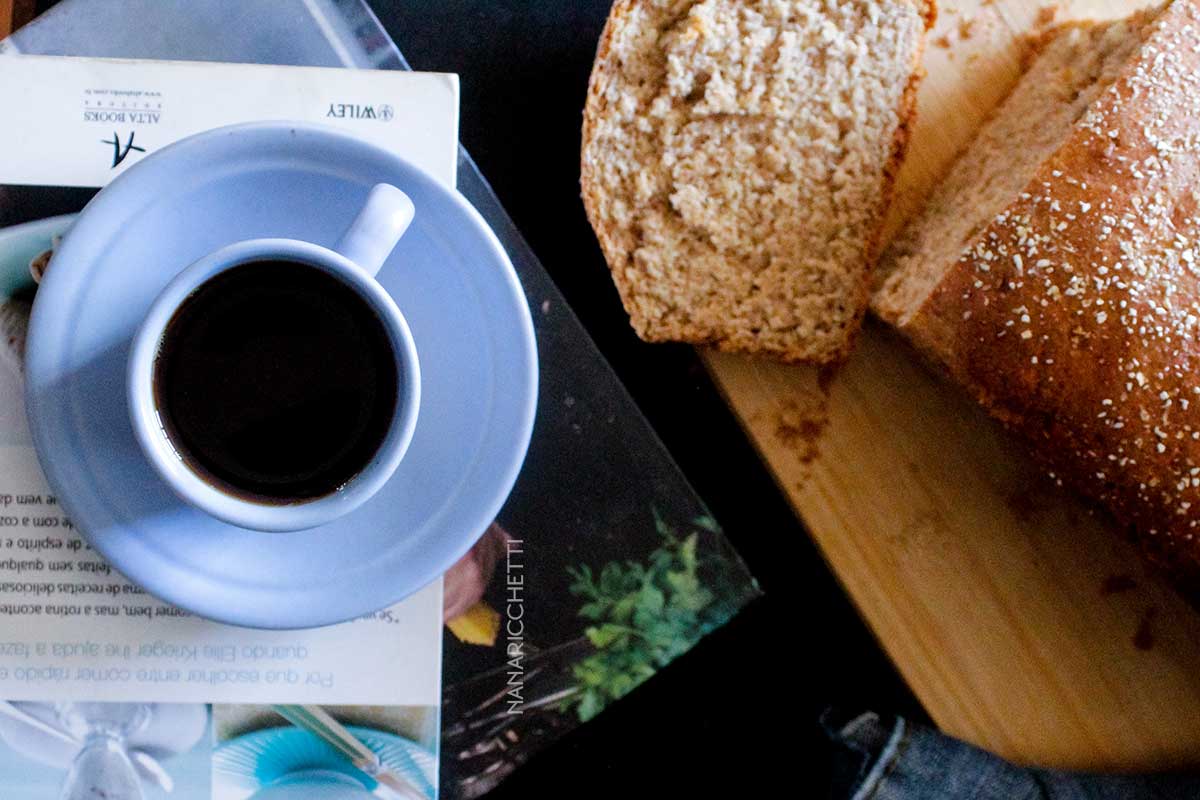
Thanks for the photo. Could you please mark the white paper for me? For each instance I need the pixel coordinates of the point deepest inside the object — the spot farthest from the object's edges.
(79, 121)
(70, 627)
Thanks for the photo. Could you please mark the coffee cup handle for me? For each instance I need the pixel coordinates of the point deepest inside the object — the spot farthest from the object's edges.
(374, 233)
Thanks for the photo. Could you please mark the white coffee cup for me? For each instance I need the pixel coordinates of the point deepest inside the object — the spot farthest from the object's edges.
(354, 261)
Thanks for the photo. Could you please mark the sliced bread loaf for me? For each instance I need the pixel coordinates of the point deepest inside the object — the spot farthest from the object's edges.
(1056, 271)
(738, 157)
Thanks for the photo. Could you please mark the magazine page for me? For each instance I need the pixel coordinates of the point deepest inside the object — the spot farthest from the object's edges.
(187, 694)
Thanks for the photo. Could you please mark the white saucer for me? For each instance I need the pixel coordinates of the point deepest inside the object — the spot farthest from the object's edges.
(449, 276)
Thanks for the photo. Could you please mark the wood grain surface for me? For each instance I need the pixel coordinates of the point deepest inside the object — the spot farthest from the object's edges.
(6, 18)
(1021, 618)
(14, 14)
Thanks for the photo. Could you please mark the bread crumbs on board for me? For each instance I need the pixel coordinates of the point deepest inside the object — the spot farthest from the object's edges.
(1046, 16)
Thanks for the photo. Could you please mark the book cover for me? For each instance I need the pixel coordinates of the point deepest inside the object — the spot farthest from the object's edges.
(604, 566)
(220, 711)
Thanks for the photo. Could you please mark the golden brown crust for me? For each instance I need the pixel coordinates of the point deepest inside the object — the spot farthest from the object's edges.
(1037, 40)
(596, 106)
(1074, 315)
(593, 108)
(907, 113)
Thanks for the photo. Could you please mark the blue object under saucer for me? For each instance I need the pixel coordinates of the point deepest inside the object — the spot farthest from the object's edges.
(286, 755)
(450, 278)
(19, 244)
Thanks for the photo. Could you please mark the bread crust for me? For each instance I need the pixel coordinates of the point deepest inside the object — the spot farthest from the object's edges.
(1100, 380)
(907, 113)
(604, 71)
(593, 109)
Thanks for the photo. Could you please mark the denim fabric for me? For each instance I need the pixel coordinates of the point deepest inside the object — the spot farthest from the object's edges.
(877, 759)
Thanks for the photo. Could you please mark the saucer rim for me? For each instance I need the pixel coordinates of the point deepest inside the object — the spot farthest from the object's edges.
(141, 572)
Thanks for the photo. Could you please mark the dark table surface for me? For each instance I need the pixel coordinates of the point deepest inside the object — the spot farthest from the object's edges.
(740, 710)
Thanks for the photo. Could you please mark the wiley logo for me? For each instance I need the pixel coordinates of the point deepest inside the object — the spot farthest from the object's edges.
(119, 153)
(383, 113)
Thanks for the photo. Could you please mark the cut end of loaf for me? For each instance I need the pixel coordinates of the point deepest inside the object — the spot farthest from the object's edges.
(737, 161)
(1072, 67)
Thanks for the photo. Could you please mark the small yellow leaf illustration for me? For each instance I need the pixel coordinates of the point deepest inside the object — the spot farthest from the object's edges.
(479, 624)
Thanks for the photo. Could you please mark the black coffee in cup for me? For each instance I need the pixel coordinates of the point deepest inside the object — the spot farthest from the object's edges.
(276, 382)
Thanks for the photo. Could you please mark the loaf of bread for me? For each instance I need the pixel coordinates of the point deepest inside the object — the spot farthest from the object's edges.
(738, 157)
(1056, 271)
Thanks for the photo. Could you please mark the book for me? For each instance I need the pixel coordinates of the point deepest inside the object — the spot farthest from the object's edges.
(74, 632)
(604, 565)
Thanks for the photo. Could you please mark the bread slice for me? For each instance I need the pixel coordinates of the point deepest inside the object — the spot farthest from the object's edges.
(738, 157)
(1056, 271)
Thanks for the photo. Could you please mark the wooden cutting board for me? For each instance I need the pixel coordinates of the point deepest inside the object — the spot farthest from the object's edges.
(14, 14)
(1022, 621)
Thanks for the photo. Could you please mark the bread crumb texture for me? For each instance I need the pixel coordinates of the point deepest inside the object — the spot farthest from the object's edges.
(1056, 272)
(737, 160)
